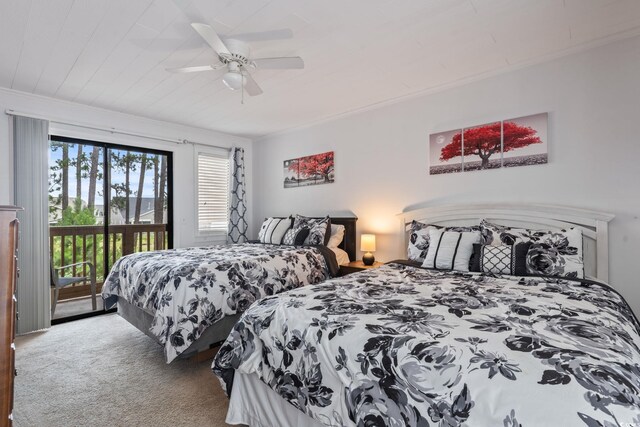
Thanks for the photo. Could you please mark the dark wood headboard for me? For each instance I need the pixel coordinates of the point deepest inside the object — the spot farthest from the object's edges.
(349, 244)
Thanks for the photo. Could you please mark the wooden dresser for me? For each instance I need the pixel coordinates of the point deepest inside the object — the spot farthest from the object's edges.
(8, 276)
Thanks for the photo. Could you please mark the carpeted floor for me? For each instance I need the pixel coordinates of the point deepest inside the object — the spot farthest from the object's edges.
(102, 371)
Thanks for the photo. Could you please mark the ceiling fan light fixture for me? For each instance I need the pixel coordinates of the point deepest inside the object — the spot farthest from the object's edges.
(233, 80)
(235, 55)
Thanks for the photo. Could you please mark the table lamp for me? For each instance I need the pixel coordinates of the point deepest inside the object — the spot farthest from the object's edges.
(368, 245)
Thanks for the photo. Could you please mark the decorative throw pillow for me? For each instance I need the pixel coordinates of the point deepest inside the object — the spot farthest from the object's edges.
(337, 235)
(498, 235)
(450, 250)
(500, 259)
(557, 254)
(318, 229)
(418, 241)
(419, 238)
(295, 236)
(552, 253)
(273, 230)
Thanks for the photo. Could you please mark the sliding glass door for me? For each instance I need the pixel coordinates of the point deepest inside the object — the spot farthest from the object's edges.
(105, 201)
(138, 196)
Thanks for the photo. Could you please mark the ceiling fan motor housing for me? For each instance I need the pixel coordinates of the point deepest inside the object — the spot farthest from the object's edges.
(239, 52)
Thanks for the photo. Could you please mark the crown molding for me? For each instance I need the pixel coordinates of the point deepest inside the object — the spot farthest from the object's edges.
(542, 59)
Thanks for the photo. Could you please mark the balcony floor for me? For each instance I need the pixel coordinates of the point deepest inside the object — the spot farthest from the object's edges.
(76, 306)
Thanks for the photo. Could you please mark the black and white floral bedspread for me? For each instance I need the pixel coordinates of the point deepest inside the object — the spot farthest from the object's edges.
(189, 289)
(402, 345)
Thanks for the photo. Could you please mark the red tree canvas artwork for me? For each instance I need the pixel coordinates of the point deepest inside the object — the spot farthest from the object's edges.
(518, 148)
(450, 163)
(309, 170)
(515, 142)
(478, 147)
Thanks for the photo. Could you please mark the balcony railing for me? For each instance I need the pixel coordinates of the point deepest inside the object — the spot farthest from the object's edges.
(78, 243)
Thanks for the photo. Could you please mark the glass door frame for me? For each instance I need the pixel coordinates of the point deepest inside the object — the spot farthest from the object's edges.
(106, 188)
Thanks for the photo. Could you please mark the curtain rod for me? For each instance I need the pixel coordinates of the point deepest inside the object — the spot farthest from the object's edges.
(178, 141)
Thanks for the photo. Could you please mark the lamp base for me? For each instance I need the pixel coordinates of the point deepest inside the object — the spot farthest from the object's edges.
(368, 259)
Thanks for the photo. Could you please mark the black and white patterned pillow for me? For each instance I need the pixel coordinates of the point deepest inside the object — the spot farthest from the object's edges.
(419, 238)
(319, 229)
(274, 229)
(418, 241)
(496, 259)
(557, 254)
(552, 253)
(295, 236)
(506, 259)
(498, 235)
(450, 250)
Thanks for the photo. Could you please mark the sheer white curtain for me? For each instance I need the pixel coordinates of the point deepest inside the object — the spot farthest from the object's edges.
(31, 178)
(237, 204)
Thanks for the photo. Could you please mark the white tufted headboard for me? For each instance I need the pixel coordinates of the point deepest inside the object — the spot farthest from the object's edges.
(594, 225)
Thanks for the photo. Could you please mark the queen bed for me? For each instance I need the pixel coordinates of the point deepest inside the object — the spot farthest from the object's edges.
(189, 299)
(411, 345)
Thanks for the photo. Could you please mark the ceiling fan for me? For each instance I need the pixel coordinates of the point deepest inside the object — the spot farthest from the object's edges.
(234, 54)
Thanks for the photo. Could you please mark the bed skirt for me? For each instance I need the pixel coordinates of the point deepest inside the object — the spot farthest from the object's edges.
(212, 336)
(254, 404)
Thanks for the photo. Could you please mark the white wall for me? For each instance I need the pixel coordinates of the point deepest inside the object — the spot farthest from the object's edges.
(184, 198)
(593, 100)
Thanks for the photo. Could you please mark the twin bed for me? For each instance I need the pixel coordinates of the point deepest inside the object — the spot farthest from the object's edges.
(189, 299)
(411, 345)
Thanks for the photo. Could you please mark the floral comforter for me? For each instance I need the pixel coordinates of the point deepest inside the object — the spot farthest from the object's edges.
(190, 289)
(402, 345)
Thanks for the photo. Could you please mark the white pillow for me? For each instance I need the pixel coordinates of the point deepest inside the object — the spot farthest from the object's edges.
(337, 235)
(273, 230)
(450, 250)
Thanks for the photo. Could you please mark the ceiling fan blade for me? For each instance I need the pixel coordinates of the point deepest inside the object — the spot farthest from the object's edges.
(193, 69)
(211, 37)
(284, 33)
(251, 86)
(291, 62)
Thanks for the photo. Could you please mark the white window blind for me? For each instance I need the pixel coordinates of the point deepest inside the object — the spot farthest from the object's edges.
(213, 193)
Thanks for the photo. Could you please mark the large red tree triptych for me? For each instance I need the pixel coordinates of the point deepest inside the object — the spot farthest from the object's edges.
(309, 170)
(507, 143)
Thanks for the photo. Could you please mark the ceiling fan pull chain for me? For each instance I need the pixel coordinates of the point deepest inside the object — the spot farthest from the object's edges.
(242, 89)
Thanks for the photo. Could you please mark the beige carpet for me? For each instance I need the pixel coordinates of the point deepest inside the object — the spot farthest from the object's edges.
(102, 371)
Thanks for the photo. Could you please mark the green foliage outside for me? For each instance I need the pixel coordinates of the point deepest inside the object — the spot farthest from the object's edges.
(79, 216)
(82, 164)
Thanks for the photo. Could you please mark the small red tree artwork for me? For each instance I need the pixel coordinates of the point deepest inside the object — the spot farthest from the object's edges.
(484, 141)
(318, 167)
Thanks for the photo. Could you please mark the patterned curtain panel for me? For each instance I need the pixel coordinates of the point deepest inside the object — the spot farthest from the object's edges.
(31, 170)
(238, 203)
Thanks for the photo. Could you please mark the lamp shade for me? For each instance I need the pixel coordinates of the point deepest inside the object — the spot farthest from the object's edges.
(368, 242)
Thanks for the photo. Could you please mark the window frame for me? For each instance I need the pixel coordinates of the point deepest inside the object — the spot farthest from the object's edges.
(218, 234)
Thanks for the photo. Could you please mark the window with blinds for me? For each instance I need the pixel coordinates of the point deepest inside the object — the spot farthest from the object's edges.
(213, 193)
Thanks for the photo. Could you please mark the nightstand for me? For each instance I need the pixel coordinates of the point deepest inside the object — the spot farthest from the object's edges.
(355, 266)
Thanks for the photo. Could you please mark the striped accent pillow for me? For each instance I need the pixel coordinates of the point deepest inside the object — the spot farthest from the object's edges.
(450, 250)
(274, 229)
(419, 238)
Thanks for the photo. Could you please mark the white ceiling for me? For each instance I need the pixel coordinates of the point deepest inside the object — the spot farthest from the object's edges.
(113, 53)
